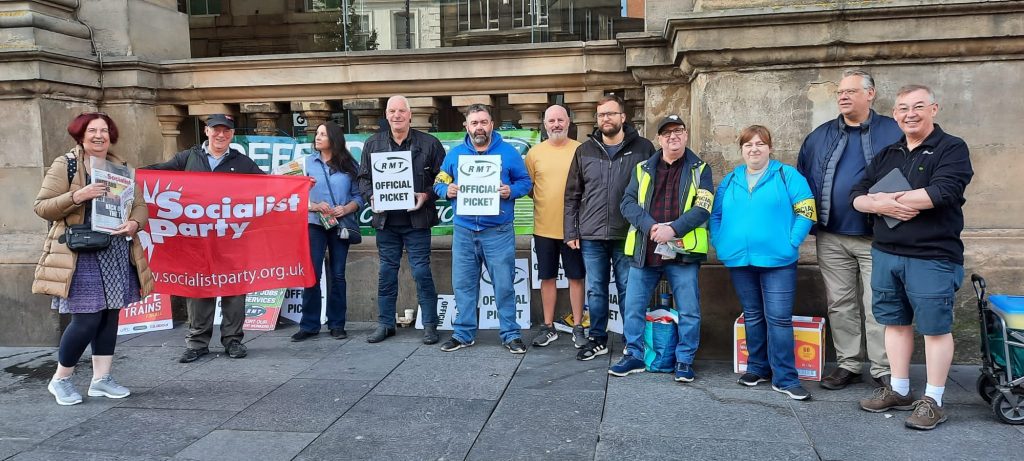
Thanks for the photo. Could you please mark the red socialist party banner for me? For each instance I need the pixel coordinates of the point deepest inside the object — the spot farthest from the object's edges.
(216, 234)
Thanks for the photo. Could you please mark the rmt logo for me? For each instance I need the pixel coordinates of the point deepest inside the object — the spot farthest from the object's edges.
(391, 165)
(480, 168)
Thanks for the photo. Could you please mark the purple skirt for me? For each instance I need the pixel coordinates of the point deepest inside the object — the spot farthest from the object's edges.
(102, 280)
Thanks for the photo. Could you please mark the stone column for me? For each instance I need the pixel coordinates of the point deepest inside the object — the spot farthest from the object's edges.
(265, 114)
(423, 109)
(170, 118)
(315, 112)
(367, 112)
(583, 105)
(634, 98)
(464, 101)
(531, 108)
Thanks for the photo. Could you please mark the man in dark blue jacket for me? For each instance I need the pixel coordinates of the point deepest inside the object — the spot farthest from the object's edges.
(667, 202)
(918, 261)
(833, 158)
(483, 238)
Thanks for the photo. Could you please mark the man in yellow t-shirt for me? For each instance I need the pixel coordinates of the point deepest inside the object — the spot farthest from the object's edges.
(548, 165)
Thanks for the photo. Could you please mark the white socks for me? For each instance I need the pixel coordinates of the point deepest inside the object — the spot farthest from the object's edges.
(935, 393)
(900, 386)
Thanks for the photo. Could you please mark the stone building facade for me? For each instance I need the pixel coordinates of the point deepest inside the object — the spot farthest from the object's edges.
(721, 64)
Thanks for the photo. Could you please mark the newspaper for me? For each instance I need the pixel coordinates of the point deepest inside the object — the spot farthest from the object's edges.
(297, 167)
(110, 210)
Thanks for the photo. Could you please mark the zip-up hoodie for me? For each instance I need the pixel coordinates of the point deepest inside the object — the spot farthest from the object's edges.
(594, 188)
(759, 227)
(513, 173)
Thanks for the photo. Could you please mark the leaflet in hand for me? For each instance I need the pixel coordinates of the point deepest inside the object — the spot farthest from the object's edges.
(294, 167)
(110, 210)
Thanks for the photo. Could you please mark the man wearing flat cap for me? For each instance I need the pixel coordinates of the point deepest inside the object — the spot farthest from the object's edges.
(213, 155)
(667, 203)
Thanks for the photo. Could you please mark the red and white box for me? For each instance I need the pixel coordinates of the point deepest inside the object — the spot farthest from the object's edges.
(808, 346)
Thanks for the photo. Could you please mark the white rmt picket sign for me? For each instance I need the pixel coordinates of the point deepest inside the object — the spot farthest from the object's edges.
(479, 180)
(392, 181)
(488, 315)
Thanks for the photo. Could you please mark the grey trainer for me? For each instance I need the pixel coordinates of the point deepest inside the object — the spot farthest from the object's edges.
(107, 387)
(545, 336)
(64, 391)
(579, 337)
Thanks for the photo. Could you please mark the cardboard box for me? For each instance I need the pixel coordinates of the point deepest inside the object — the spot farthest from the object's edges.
(808, 346)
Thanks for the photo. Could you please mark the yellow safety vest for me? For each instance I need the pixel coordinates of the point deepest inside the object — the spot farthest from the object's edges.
(695, 241)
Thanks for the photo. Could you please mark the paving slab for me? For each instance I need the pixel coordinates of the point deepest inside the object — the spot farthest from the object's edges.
(272, 347)
(555, 425)
(301, 405)
(970, 433)
(138, 432)
(640, 447)
(652, 404)
(429, 428)
(31, 413)
(224, 445)
(360, 361)
(551, 369)
(224, 368)
(200, 395)
(45, 454)
(451, 377)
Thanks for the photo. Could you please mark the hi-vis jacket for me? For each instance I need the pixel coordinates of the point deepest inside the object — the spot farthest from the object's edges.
(695, 200)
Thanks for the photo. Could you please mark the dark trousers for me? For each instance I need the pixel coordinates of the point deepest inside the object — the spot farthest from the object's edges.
(200, 320)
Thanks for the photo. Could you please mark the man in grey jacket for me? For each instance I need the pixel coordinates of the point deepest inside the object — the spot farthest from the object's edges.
(600, 170)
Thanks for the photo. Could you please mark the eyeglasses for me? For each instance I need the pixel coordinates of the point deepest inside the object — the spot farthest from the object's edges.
(679, 132)
(608, 114)
(904, 110)
(848, 92)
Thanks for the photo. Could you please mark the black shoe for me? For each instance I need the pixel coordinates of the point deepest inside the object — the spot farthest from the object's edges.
(516, 346)
(380, 334)
(839, 379)
(236, 349)
(191, 355)
(796, 392)
(339, 333)
(303, 335)
(454, 345)
(591, 350)
(430, 334)
(750, 379)
(882, 381)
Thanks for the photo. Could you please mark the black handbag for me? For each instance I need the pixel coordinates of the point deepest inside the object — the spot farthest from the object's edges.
(80, 238)
(351, 234)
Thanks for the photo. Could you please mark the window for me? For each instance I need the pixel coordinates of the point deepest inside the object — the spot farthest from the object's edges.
(479, 14)
(405, 30)
(361, 30)
(530, 13)
(204, 7)
(323, 5)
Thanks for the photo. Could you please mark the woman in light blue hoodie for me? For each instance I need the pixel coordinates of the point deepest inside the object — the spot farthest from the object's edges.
(763, 210)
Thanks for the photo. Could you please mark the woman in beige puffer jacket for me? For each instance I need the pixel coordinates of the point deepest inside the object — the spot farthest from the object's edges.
(92, 287)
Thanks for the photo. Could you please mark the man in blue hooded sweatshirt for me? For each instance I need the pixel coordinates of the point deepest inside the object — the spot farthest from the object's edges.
(486, 239)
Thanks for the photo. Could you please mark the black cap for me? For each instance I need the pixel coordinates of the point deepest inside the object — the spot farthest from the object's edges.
(221, 119)
(670, 120)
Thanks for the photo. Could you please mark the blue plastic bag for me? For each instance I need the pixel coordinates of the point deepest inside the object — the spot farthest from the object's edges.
(660, 339)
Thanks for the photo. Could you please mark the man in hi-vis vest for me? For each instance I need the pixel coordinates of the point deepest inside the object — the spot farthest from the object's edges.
(667, 203)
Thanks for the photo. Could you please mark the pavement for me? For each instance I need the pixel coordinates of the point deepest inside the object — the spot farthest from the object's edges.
(399, 399)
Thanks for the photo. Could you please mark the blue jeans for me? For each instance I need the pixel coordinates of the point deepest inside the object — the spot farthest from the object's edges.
(682, 278)
(599, 258)
(322, 241)
(767, 293)
(390, 241)
(495, 247)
